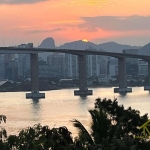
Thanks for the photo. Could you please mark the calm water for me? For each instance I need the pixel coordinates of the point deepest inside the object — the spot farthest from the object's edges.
(60, 106)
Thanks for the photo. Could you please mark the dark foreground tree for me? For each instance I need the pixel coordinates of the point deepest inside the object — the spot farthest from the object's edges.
(113, 127)
(42, 138)
(3, 134)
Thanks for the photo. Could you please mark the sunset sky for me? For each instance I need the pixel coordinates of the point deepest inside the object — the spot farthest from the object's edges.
(99, 21)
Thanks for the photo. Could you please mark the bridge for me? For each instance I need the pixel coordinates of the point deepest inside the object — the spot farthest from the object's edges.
(83, 90)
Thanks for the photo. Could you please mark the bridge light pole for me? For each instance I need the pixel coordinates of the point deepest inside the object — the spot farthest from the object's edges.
(83, 90)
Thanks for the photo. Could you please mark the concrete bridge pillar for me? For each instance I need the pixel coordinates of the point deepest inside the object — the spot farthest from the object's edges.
(122, 77)
(34, 78)
(83, 90)
(147, 87)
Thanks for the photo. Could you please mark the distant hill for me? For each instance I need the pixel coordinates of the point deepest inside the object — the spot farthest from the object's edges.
(46, 43)
(115, 47)
(145, 50)
(80, 45)
(109, 46)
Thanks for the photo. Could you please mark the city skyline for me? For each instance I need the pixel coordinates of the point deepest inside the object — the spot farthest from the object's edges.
(98, 21)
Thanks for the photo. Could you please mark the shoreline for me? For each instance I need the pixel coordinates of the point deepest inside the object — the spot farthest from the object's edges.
(59, 88)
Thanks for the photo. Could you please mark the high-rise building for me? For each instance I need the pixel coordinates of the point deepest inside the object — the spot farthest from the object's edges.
(131, 63)
(56, 62)
(142, 67)
(11, 69)
(103, 66)
(2, 66)
(24, 62)
(71, 66)
(92, 65)
(113, 67)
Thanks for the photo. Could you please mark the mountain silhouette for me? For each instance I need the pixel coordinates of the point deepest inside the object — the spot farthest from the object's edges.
(109, 46)
(81, 45)
(46, 43)
(145, 50)
(115, 47)
(78, 45)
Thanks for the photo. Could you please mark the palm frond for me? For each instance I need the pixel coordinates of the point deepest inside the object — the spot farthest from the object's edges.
(100, 125)
(82, 130)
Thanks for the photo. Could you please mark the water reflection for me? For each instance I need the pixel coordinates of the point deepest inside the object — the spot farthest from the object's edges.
(83, 97)
(35, 100)
(36, 108)
(36, 105)
(123, 94)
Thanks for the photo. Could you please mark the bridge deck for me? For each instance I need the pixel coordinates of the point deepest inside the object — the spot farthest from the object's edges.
(12, 50)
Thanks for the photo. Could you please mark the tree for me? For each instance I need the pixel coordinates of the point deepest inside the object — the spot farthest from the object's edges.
(113, 127)
(3, 134)
(42, 138)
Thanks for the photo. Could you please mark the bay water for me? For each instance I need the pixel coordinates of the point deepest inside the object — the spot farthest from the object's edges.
(61, 106)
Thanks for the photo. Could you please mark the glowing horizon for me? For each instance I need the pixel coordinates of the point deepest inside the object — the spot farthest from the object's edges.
(85, 40)
(97, 20)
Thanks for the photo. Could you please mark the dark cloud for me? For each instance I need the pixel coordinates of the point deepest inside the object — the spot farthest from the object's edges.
(20, 1)
(117, 23)
(44, 31)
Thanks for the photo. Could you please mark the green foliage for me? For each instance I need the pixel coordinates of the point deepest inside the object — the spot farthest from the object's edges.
(126, 121)
(113, 127)
(2, 118)
(84, 140)
(41, 138)
(3, 134)
(101, 125)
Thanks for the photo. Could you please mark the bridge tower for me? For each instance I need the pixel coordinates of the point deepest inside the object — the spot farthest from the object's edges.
(83, 90)
(34, 78)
